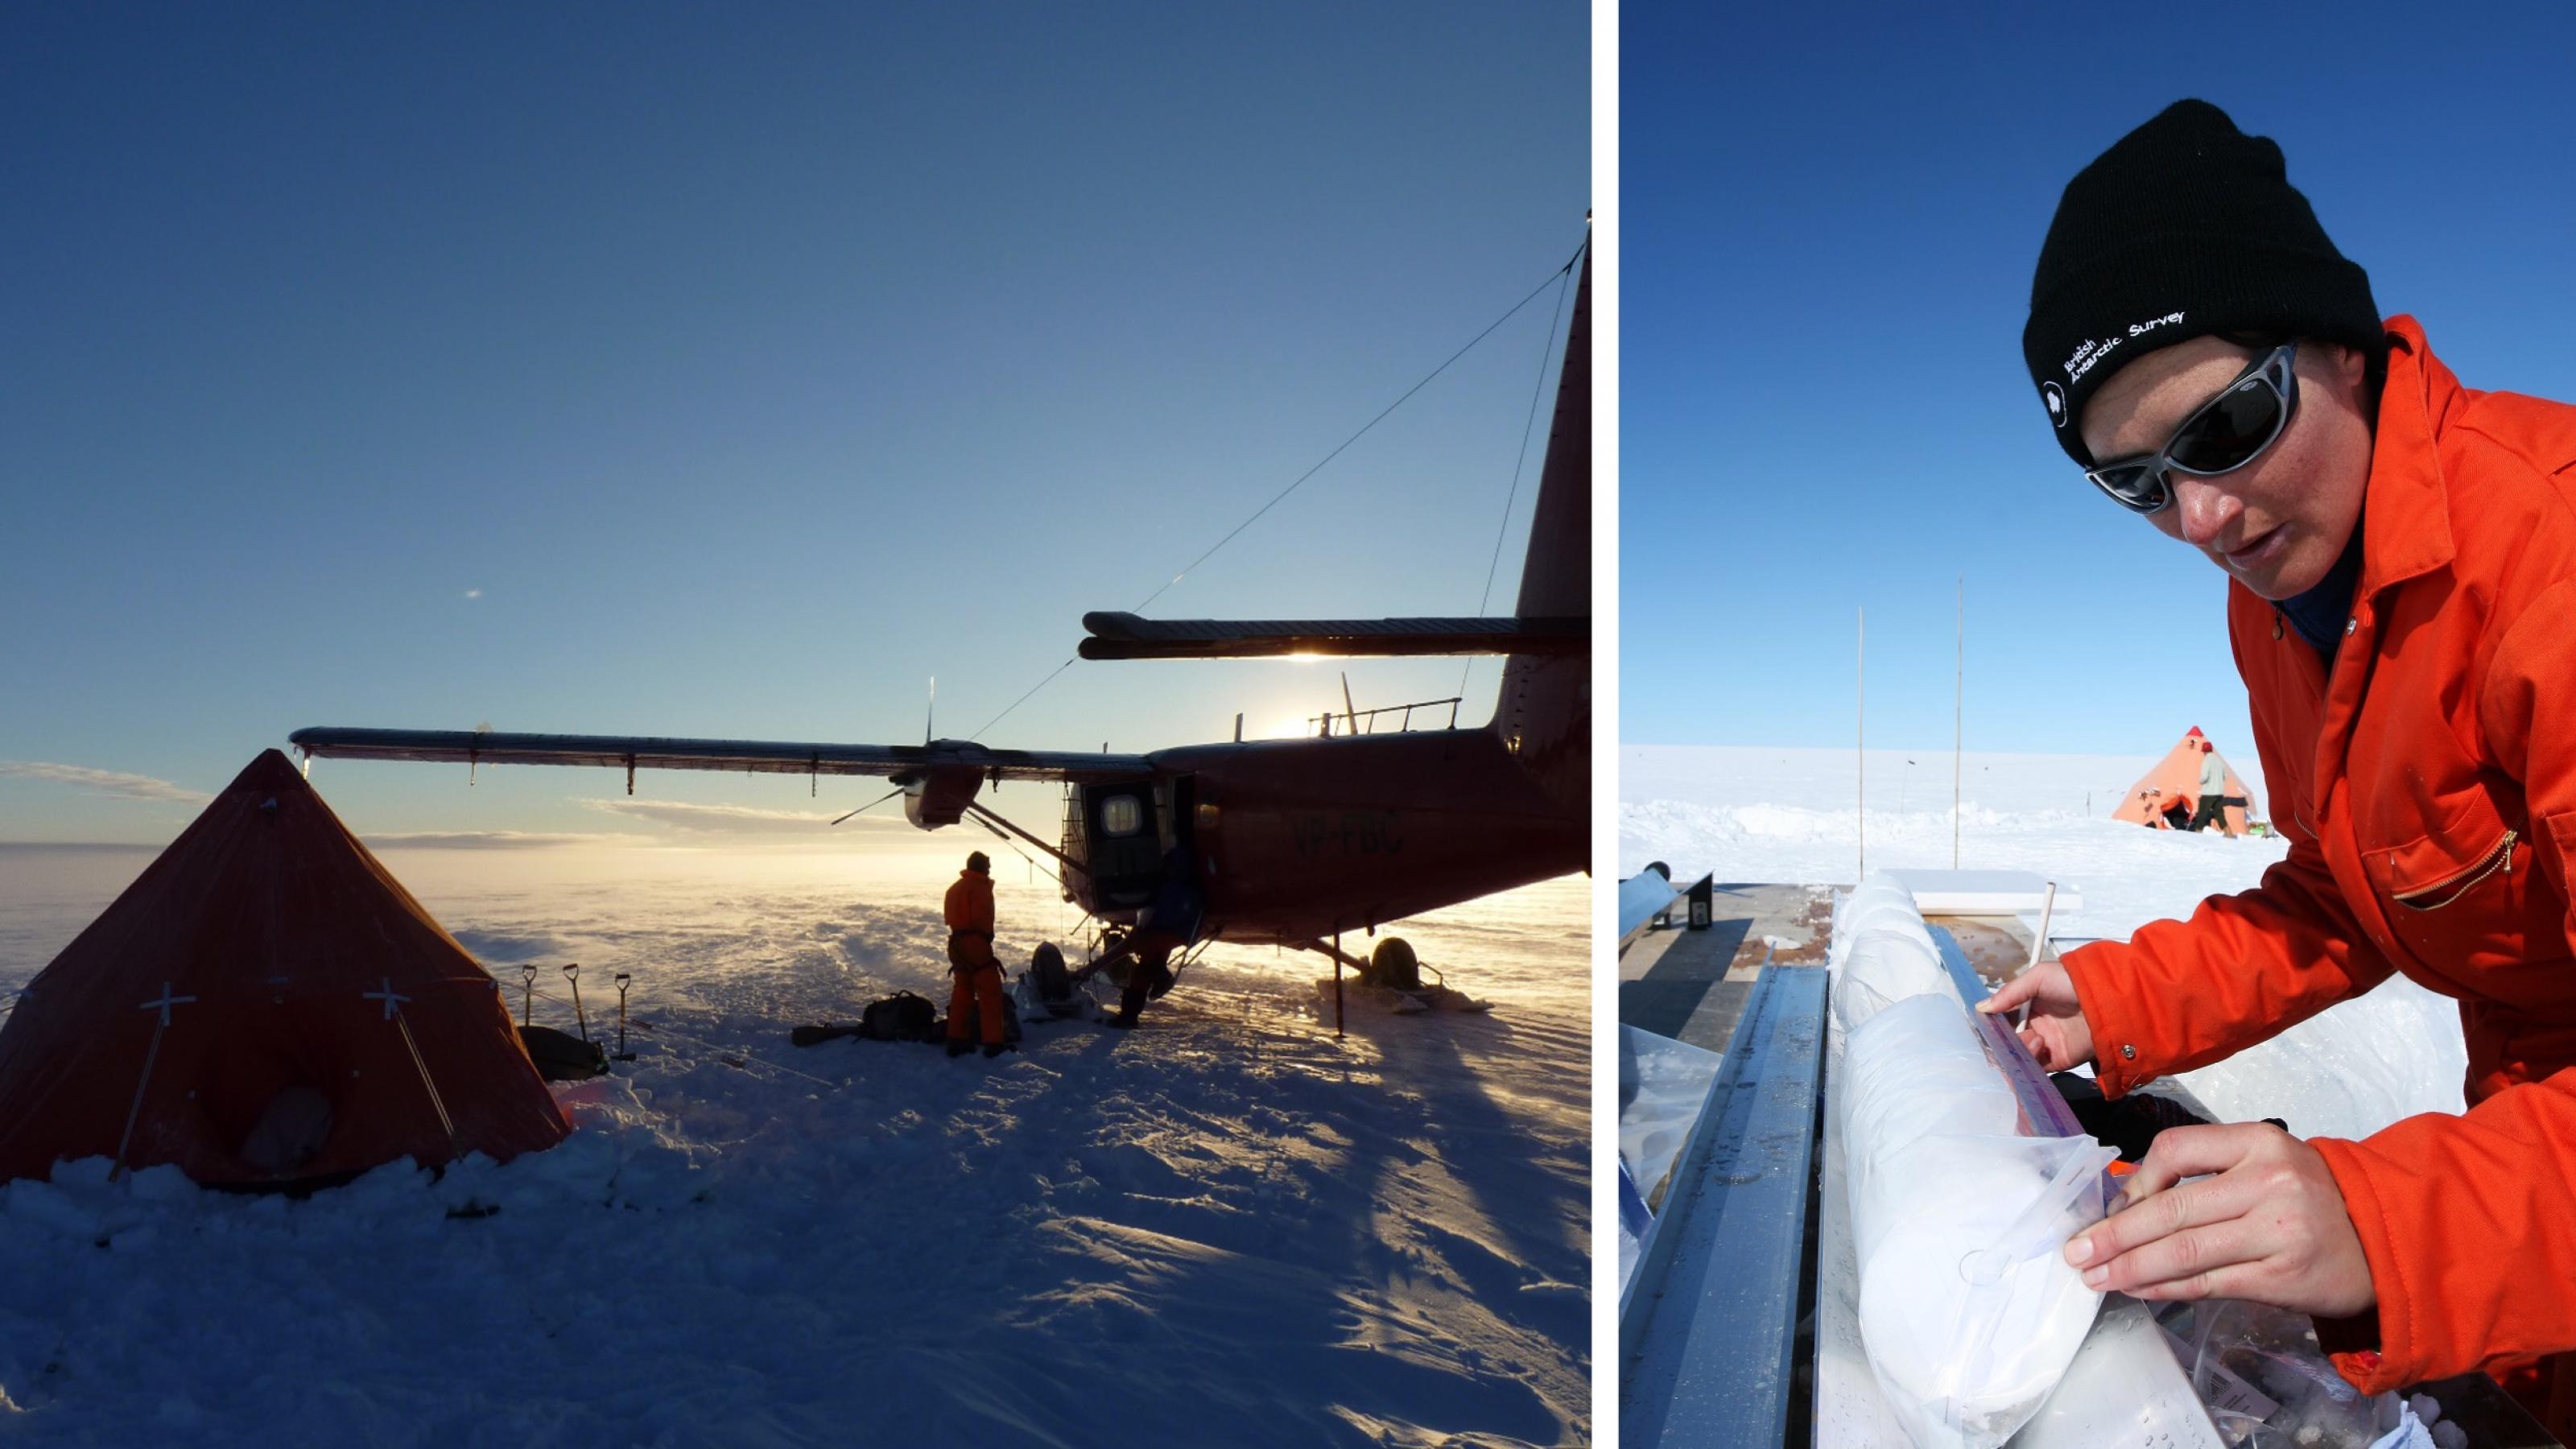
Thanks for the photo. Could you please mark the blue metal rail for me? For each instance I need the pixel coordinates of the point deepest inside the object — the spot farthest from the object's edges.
(1708, 1325)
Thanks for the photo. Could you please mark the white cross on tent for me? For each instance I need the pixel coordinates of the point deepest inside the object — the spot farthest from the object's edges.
(386, 996)
(393, 1004)
(163, 1005)
(165, 1002)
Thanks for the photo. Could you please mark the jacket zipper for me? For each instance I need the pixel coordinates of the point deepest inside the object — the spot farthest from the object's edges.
(2499, 858)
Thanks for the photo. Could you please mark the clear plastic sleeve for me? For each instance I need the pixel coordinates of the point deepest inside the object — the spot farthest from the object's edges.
(1968, 1310)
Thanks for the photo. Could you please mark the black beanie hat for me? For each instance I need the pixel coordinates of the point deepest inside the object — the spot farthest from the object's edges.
(2185, 227)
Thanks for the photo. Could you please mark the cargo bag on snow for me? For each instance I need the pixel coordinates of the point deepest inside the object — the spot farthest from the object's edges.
(562, 1057)
(900, 1017)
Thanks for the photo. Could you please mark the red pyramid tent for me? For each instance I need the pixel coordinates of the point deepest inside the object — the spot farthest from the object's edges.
(2176, 778)
(265, 1004)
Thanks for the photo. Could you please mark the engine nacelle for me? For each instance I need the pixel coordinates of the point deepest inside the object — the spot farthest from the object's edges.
(940, 796)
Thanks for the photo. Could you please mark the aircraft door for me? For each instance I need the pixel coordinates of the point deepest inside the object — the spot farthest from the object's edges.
(1125, 843)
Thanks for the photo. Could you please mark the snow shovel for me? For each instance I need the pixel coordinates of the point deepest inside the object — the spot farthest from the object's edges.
(572, 973)
(623, 1055)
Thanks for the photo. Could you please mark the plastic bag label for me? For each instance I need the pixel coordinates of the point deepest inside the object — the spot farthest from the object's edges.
(2226, 1390)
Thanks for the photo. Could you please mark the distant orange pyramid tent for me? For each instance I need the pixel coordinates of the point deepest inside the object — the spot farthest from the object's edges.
(2176, 780)
(265, 1004)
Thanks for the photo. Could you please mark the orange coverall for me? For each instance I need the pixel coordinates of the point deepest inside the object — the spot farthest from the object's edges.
(969, 909)
(2427, 786)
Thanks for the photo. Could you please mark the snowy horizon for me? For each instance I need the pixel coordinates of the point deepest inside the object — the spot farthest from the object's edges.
(1751, 815)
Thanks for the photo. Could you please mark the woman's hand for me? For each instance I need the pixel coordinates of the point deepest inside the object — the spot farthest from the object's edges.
(2056, 1033)
(2270, 1226)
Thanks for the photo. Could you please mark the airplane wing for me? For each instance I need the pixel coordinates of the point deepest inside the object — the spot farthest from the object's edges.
(901, 763)
(1126, 636)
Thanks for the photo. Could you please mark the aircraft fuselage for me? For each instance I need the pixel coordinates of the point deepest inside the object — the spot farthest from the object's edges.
(1294, 840)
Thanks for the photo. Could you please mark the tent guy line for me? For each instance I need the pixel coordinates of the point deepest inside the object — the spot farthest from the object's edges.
(726, 1054)
(162, 1004)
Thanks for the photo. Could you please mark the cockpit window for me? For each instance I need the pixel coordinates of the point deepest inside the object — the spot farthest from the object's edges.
(1121, 815)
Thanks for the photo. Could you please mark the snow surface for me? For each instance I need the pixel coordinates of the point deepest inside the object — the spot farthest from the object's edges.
(1224, 1227)
(1766, 814)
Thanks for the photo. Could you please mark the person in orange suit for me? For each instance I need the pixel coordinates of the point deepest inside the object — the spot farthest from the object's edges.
(2401, 555)
(977, 993)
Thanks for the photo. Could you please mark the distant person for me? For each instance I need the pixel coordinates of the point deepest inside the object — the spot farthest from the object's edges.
(2401, 557)
(2214, 798)
(977, 971)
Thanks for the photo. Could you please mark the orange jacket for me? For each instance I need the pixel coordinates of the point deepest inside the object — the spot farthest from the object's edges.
(969, 906)
(2427, 786)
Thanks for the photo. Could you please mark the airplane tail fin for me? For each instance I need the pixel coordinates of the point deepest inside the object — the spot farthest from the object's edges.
(1545, 713)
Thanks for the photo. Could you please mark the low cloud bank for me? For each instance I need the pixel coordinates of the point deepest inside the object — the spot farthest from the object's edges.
(112, 783)
(498, 839)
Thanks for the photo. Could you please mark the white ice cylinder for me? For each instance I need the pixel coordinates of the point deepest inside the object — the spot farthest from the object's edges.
(1967, 1308)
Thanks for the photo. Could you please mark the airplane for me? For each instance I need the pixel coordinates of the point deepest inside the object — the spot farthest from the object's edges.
(1292, 842)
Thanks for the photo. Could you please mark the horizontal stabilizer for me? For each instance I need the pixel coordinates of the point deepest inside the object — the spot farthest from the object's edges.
(773, 757)
(1125, 636)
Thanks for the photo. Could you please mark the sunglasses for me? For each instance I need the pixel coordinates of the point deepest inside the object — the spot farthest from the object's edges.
(2222, 435)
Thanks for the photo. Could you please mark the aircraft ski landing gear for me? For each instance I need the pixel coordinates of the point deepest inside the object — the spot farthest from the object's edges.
(1389, 983)
(1393, 966)
(1046, 991)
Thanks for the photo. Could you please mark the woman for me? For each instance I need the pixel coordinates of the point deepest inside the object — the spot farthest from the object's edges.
(2402, 601)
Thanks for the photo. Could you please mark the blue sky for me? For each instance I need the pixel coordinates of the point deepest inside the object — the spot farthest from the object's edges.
(1829, 220)
(732, 372)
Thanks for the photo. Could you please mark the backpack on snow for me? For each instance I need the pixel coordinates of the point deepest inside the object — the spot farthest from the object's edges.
(900, 1017)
